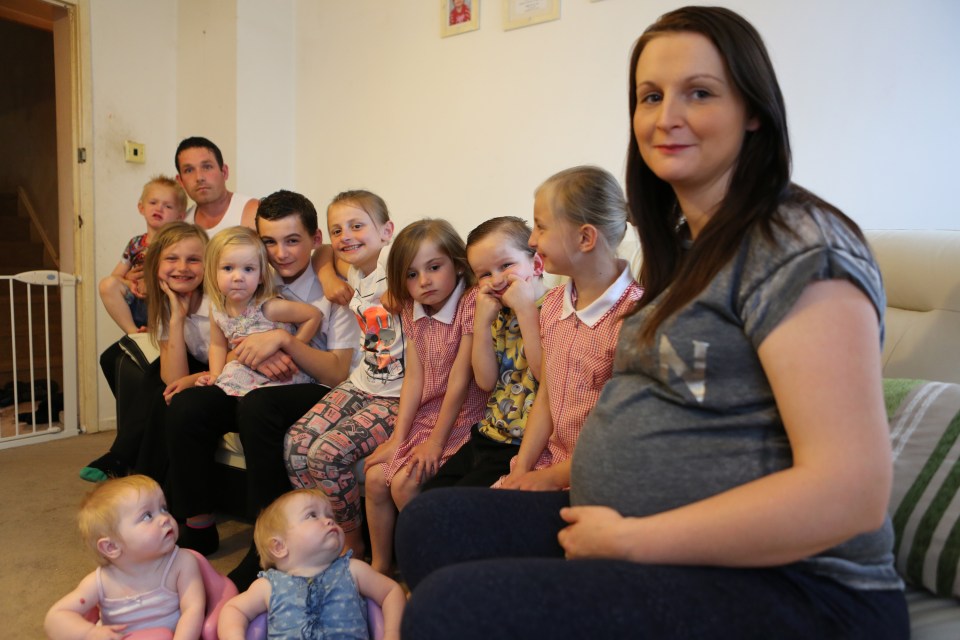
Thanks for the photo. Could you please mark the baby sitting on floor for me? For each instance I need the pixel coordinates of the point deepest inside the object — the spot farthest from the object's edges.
(142, 581)
(308, 589)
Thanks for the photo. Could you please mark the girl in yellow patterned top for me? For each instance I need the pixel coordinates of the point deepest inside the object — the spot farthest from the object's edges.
(506, 350)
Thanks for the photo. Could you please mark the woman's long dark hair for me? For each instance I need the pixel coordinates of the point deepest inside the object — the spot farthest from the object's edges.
(759, 184)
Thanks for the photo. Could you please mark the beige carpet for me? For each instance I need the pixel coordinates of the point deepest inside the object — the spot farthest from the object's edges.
(42, 558)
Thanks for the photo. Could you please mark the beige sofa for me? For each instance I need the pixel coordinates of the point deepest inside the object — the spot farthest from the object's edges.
(921, 272)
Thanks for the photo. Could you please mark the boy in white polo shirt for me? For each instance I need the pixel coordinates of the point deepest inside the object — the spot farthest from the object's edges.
(287, 223)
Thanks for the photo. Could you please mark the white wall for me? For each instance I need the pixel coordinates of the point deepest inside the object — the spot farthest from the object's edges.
(466, 127)
(162, 71)
(266, 92)
(207, 76)
(133, 52)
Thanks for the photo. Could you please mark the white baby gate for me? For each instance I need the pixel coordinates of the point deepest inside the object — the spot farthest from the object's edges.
(29, 385)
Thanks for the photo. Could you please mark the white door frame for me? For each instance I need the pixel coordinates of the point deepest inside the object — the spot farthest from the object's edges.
(74, 139)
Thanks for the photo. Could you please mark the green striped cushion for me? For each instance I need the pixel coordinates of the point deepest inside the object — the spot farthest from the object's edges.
(925, 503)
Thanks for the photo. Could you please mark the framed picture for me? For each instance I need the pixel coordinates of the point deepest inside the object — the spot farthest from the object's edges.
(523, 13)
(459, 16)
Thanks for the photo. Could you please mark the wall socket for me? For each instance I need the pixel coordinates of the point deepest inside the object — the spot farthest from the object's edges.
(134, 152)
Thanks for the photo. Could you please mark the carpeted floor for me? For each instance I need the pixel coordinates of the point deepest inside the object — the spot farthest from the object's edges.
(42, 558)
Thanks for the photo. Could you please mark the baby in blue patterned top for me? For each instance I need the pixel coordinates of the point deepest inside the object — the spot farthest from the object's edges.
(308, 589)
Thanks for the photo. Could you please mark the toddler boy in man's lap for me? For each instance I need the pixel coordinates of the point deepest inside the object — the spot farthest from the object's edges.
(162, 201)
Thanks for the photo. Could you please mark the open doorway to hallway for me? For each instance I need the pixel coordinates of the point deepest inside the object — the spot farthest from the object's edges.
(40, 192)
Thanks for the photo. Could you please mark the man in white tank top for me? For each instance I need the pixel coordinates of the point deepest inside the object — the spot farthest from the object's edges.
(203, 175)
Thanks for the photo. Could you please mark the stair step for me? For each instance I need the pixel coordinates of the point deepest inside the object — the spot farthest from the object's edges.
(22, 250)
(20, 313)
(23, 377)
(38, 325)
(39, 358)
(20, 293)
(8, 205)
(15, 226)
(24, 339)
(11, 265)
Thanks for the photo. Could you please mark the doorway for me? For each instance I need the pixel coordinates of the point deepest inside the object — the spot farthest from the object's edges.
(45, 186)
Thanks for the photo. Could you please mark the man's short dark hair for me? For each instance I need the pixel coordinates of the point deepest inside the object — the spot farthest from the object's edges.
(280, 204)
(194, 142)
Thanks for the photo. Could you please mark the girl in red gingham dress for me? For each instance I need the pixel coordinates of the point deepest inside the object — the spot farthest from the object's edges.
(428, 275)
(580, 219)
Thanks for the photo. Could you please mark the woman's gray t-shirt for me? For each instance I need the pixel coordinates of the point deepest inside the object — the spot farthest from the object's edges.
(694, 415)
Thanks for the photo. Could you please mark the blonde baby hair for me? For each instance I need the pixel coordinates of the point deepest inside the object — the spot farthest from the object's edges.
(588, 195)
(99, 515)
(232, 237)
(158, 306)
(272, 523)
(161, 180)
(407, 244)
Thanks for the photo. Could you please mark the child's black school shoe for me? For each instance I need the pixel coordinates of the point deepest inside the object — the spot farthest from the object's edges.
(205, 540)
(246, 572)
(106, 466)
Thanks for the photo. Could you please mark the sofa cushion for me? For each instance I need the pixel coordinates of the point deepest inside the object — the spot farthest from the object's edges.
(932, 618)
(925, 502)
(923, 302)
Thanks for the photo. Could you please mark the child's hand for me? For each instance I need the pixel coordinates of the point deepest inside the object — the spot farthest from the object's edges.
(134, 281)
(488, 306)
(539, 480)
(519, 294)
(135, 273)
(177, 386)
(279, 367)
(335, 289)
(179, 305)
(135, 287)
(388, 303)
(424, 460)
(205, 380)
(106, 632)
(382, 454)
(255, 349)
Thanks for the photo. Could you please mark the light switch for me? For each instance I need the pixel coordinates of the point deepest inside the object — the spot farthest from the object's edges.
(134, 152)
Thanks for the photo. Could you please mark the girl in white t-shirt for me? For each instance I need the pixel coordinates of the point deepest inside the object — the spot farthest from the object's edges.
(178, 323)
(178, 316)
(358, 415)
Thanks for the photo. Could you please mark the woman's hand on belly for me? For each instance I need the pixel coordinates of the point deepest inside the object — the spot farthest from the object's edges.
(593, 532)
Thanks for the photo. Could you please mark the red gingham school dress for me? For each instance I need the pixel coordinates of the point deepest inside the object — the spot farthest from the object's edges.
(437, 343)
(579, 357)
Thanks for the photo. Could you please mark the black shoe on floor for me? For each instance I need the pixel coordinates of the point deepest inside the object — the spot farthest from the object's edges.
(106, 466)
(246, 572)
(205, 540)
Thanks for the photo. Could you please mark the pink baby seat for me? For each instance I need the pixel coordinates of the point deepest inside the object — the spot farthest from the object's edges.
(218, 589)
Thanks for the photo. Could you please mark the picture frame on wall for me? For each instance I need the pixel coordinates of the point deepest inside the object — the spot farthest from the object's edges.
(459, 16)
(523, 13)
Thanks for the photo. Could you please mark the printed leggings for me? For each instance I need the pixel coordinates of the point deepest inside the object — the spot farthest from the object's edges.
(322, 447)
